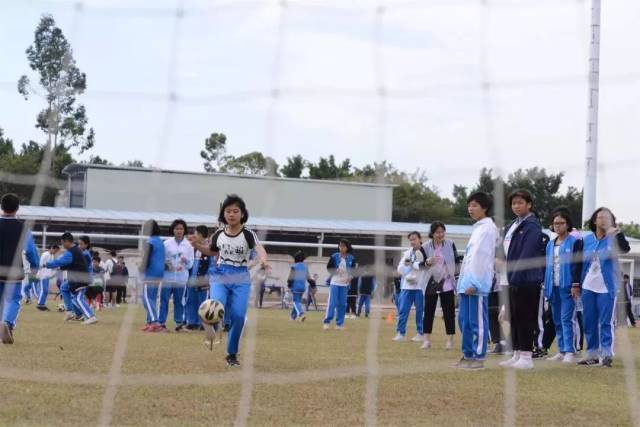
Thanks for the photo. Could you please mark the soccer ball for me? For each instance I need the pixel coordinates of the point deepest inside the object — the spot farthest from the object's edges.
(211, 312)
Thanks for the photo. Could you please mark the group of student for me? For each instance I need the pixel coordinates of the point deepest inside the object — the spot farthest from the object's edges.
(527, 268)
(519, 262)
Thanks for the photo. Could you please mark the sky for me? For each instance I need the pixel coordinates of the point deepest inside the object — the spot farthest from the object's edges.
(304, 78)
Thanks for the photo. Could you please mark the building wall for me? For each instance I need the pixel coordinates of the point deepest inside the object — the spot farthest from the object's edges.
(198, 193)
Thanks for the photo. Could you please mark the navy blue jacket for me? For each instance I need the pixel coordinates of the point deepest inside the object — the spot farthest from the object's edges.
(526, 256)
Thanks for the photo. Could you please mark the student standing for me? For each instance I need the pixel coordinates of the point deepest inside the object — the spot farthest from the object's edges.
(628, 295)
(297, 282)
(152, 273)
(199, 279)
(442, 262)
(366, 286)
(411, 269)
(341, 268)
(475, 283)
(600, 280)
(178, 261)
(562, 274)
(524, 247)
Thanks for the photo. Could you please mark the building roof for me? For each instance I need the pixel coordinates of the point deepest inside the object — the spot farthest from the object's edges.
(81, 167)
(101, 216)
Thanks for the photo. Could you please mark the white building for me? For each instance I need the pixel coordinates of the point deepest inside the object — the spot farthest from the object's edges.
(147, 190)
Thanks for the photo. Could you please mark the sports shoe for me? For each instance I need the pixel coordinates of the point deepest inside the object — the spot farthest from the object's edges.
(90, 321)
(569, 358)
(559, 357)
(607, 362)
(27, 301)
(161, 328)
(339, 328)
(463, 363)
(303, 318)
(232, 360)
(510, 362)
(77, 318)
(589, 361)
(418, 338)
(398, 338)
(69, 316)
(449, 345)
(476, 365)
(325, 326)
(539, 353)
(426, 345)
(498, 350)
(42, 308)
(6, 335)
(523, 363)
(181, 328)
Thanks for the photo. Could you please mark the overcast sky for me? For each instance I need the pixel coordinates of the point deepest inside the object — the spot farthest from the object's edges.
(222, 60)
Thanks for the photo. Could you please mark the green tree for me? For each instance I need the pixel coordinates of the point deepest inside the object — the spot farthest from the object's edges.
(544, 186)
(326, 168)
(254, 163)
(294, 167)
(460, 212)
(215, 152)
(630, 230)
(133, 164)
(415, 201)
(97, 160)
(19, 169)
(60, 82)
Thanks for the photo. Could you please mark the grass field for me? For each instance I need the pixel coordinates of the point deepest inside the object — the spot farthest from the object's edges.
(56, 374)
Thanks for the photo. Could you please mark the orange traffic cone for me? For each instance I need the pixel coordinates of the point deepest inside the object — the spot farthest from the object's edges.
(390, 318)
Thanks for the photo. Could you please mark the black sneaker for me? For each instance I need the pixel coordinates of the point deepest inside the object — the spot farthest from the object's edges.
(498, 350)
(540, 353)
(6, 333)
(181, 328)
(42, 308)
(232, 360)
(589, 361)
(607, 362)
(226, 328)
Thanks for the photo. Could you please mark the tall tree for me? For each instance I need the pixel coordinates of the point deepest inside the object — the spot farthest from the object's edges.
(294, 167)
(254, 163)
(60, 82)
(327, 168)
(544, 186)
(215, 152)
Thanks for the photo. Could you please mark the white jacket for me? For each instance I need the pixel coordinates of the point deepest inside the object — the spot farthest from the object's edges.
(178, 260)
(44, 272)
(413, 275)
(479, 265)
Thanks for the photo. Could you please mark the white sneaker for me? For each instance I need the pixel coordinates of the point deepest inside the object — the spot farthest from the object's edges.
(325, 326)
(339, 328)
(398, 337)
(426, 345)
(569, 358)
(510, 362)
(523, 363)
(449, 345)
(557, 358)
(418, 338)
(69, 316)
(90, 321)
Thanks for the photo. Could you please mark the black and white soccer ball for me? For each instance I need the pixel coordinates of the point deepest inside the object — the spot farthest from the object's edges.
(211, 312)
